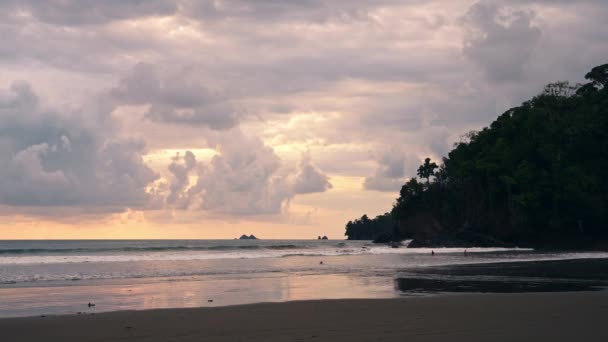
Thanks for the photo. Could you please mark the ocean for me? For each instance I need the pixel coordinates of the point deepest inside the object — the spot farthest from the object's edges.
(60, 277)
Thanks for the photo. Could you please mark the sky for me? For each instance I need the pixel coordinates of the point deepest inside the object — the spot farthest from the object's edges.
(284, 119)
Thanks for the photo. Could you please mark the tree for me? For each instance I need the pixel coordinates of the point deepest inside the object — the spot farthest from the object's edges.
(560, 89)
(427, 170)
(599, 75)
(370, 229)
(536, 176)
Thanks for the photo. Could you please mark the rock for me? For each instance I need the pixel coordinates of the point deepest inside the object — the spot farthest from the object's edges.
(385, 238)
(324, 238)
(427, 232)
(250, 237)
(422, 224)
(460, 239)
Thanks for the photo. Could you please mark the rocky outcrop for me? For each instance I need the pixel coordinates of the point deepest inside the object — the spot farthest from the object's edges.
(426, 231)
(462, 239)
(421, 226)
(250, 237)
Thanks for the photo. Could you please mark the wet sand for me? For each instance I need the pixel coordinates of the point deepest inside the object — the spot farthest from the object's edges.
(508, 277)
(478, 317)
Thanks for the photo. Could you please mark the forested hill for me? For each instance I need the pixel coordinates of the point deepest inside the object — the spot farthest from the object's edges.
(537, 176)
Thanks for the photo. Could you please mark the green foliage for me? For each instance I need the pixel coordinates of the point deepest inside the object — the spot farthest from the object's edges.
(370, 229)
(536, 176)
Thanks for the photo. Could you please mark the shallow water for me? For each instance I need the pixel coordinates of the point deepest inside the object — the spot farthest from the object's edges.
(58, 277)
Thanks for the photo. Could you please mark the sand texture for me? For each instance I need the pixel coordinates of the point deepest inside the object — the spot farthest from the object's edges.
(484, 317)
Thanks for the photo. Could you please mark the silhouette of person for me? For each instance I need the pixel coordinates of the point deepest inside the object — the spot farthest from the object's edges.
(432, 252)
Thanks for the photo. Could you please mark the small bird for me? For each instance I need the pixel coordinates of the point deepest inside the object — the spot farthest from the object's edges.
(91, 304)
(210, 300)
(320, 262)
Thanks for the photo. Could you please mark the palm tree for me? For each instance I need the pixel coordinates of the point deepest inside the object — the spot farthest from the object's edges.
(427, 170)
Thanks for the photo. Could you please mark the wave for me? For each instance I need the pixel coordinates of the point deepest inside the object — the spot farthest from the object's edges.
(77, 272)
(22, 251)
(164, 275)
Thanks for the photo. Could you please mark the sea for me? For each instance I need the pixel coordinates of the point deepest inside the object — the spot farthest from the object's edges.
(89, 276)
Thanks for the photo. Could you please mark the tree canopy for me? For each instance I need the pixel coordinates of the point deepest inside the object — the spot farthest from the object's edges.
(536, 176)
(370, 229)
(427, 170)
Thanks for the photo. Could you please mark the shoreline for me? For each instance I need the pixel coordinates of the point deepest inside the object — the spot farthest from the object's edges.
(458, 317)
(221, 290)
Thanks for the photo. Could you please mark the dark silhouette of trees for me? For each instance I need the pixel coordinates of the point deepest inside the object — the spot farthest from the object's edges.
(427, 170)
(370, 229)
(598, 76)
(538, 175)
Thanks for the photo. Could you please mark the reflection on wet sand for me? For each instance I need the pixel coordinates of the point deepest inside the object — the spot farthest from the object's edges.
(188, 292)
(247, 288)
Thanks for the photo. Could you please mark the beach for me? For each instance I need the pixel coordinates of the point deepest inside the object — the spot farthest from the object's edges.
(465, 317)
(60, 277)
(293, 290)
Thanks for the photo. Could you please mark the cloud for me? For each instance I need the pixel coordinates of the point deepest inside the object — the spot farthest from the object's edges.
(261, 82)
(89, 12)
(180, 168)
(394, 167)
(51, 159)
(174, 97)
(245, 178)
(269, 10)
(309, 179)
(501, 41)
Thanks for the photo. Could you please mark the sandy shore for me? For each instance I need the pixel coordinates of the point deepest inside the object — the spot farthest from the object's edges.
(486, 317)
